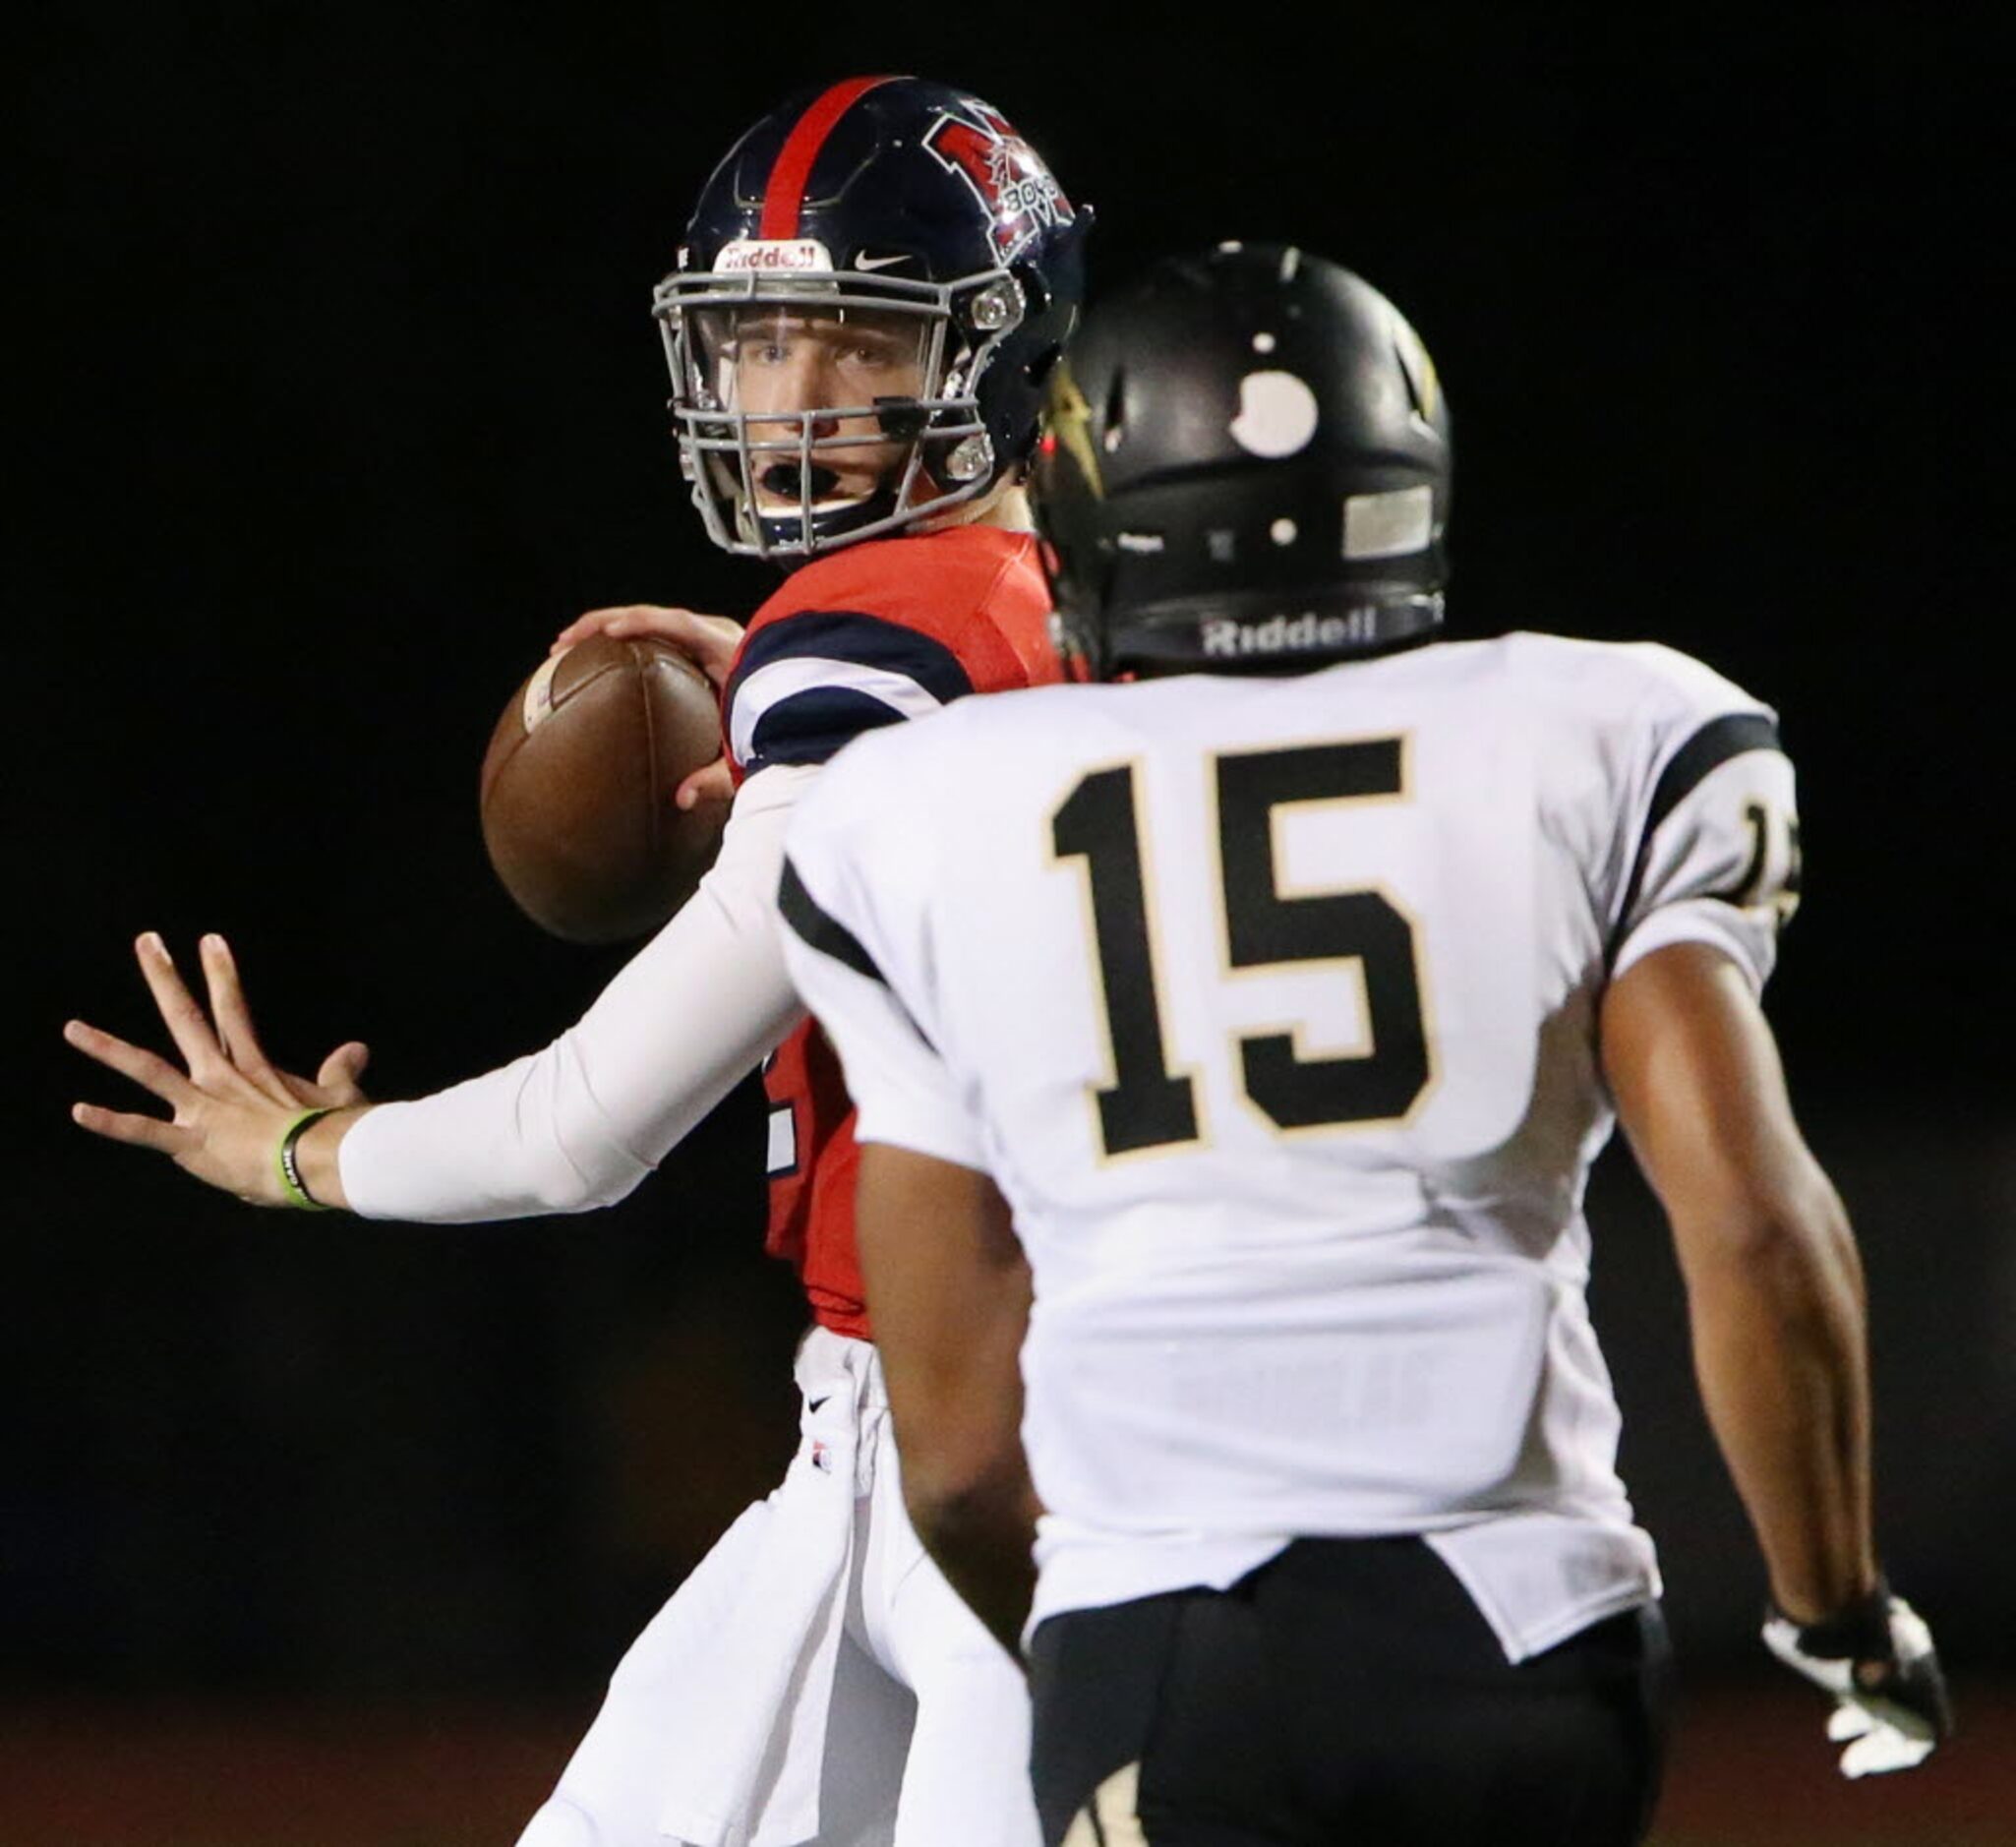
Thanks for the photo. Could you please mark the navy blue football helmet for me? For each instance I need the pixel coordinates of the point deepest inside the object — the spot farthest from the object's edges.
(1246, 467)
(870, 295)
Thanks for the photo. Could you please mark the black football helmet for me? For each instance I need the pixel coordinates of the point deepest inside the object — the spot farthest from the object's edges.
(915, 242)
(1245, 466)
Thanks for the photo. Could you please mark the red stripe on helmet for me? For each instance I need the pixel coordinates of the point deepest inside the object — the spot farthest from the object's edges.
(785, 194)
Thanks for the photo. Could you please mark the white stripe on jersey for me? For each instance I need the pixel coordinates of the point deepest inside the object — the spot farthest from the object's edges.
(770, 686)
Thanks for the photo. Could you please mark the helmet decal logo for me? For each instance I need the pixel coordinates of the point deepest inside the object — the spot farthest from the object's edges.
(1277, 417)
(1012, 185)
(1069, 418)
(1422, 383)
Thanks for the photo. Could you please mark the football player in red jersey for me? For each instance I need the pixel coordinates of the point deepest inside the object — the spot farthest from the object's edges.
(872, 289)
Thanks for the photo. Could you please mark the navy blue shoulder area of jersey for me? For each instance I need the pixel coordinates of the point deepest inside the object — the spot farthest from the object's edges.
(808, 683)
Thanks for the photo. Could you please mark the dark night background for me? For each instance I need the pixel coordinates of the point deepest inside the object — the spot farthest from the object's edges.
(341, 394)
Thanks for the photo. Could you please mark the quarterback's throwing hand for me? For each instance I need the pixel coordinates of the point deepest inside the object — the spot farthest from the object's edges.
(708, 641)
(1877, 1661)
(232, 1105)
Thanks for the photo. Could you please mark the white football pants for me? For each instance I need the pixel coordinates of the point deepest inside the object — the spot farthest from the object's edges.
(815, 1679)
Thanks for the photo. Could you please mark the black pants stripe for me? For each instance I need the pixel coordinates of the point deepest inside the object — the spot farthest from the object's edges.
(1348, 1691)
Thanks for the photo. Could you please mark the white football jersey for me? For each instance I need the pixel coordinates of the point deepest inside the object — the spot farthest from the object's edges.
(1271, 1005)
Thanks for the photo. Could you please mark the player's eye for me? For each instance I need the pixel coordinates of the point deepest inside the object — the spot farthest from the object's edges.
(875, 355)
(759, 345)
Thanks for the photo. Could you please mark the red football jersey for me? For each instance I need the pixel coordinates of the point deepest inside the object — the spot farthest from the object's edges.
(877, 632)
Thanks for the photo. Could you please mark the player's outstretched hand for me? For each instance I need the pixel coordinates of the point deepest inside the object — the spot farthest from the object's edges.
(232, 1105)
(708, 641)
(1877, 1659)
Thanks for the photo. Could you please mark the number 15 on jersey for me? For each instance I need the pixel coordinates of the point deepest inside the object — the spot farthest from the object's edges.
(1151, 1106)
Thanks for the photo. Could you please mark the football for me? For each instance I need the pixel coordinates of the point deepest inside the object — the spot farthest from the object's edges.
(577, 788)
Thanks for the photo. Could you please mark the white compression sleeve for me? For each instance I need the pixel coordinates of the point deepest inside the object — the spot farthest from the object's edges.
(580, 1123)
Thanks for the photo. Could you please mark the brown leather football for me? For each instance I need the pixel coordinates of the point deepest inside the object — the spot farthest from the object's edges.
(578, 782)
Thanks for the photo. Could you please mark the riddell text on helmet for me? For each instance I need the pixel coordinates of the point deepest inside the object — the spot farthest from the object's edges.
(1223, 637)
(756, 253)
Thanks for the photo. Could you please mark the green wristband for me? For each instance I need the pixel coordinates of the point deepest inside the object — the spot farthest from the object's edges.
(287, 1161)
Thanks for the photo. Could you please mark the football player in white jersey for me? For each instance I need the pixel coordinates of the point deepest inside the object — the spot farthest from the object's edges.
(1230, 1049)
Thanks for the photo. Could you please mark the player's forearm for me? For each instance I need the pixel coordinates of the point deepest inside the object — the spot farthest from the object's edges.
(580, 1123)
(1774, 1284)
(514, 1143)
(949, 1291)
(1780, 1352)
(982, 1532)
